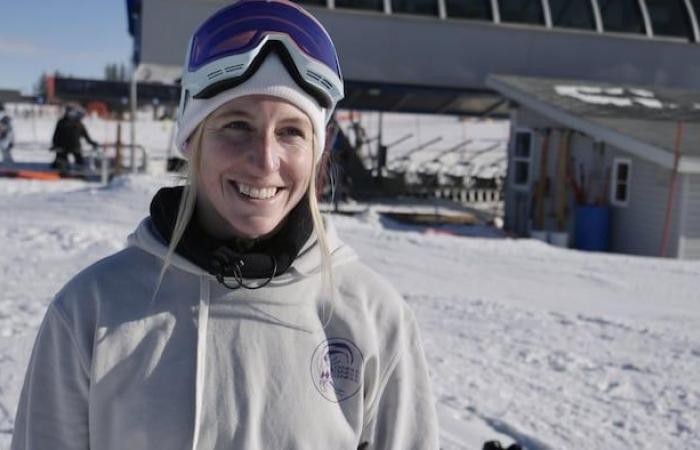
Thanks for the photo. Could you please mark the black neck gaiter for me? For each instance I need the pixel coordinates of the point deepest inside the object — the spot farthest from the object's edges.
(237, 258)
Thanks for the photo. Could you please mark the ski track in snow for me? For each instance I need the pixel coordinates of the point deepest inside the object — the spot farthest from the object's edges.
(53, 230)
(556, 349)
(548, 374)
(515, 369)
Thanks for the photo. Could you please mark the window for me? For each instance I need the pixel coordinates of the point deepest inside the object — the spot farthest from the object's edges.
(424, 7)
(522, 11)
(572, 14)
(669, 18)
(522, 154)
(622, 16)
(469, 9)
(620, 183)
(370, 5)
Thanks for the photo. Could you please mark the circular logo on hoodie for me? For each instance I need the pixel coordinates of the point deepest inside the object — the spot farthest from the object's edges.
(336, 369)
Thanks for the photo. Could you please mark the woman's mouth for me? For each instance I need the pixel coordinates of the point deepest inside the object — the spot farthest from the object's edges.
(256, 193)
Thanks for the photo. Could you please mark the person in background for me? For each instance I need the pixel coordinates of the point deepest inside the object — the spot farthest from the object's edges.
(67, 138)
(7, 136)
(236, 318)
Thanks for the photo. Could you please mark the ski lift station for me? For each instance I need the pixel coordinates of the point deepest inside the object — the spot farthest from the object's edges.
(434, 56)
(603, 98)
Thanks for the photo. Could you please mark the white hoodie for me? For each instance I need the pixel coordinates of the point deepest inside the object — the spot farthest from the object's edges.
(199, 366)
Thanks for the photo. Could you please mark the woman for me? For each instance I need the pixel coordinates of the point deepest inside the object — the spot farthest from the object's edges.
(236, 318)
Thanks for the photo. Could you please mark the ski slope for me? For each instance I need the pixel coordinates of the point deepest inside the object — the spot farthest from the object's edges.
(557, 349)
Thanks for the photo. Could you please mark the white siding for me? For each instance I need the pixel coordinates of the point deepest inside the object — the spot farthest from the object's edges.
(690, 246)
(638, 228)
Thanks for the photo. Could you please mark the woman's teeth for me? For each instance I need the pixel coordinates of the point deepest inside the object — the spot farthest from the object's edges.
(258, 193)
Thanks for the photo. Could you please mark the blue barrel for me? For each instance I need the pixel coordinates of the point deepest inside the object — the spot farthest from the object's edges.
(592, 230)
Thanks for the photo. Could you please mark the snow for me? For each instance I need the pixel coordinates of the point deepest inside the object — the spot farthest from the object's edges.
(642, 93)
(554, 348)
(620, 97)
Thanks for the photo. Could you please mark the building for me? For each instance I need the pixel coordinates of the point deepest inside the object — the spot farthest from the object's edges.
(113, 95)
(12, 96)
(630, 154)
(433, 56)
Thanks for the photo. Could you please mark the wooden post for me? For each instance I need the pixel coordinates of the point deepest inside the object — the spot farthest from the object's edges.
(134, 107)
(118, 151)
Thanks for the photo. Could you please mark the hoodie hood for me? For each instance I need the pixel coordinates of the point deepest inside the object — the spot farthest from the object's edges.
(307, 262)
(239, 258)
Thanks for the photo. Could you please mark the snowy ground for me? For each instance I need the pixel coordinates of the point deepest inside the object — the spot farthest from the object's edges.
(554, 348)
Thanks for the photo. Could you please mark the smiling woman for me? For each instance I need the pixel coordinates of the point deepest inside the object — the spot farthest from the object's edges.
(256, 165)
(236, 317)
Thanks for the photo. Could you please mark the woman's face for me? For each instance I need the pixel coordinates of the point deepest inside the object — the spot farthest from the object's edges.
(256, 163)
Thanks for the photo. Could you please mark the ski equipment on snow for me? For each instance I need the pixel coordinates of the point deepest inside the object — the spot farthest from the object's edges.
(496, 445)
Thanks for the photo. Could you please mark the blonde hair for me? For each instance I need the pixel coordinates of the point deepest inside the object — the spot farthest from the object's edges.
(189, 200)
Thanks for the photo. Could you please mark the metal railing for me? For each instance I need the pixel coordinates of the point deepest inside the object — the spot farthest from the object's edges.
(462, 195)
(112, 159)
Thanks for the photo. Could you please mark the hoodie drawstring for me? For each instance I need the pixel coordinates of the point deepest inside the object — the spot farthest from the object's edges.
(203, 321)
(226, 260)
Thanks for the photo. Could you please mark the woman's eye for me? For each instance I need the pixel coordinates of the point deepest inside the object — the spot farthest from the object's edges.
(292, 131)
(238, 125)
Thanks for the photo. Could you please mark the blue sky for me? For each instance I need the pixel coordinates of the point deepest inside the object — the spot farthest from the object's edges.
(76, 37)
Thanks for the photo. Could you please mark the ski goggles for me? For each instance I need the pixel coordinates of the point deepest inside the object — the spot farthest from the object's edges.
(228, 48)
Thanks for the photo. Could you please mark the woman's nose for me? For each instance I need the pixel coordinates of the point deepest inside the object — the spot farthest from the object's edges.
(265, 155)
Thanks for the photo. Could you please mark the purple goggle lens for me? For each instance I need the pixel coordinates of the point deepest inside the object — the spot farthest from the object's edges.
(240, 28)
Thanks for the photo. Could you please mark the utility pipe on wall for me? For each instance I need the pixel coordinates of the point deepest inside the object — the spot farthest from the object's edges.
(672, 190)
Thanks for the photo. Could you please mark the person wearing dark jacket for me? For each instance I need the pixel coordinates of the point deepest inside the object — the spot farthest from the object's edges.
(7, 137)
(66, 138)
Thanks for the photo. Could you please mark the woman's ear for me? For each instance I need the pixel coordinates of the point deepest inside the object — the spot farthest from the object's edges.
(187, 149)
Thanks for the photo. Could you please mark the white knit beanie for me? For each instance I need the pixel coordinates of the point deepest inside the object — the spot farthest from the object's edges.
(271, 79)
